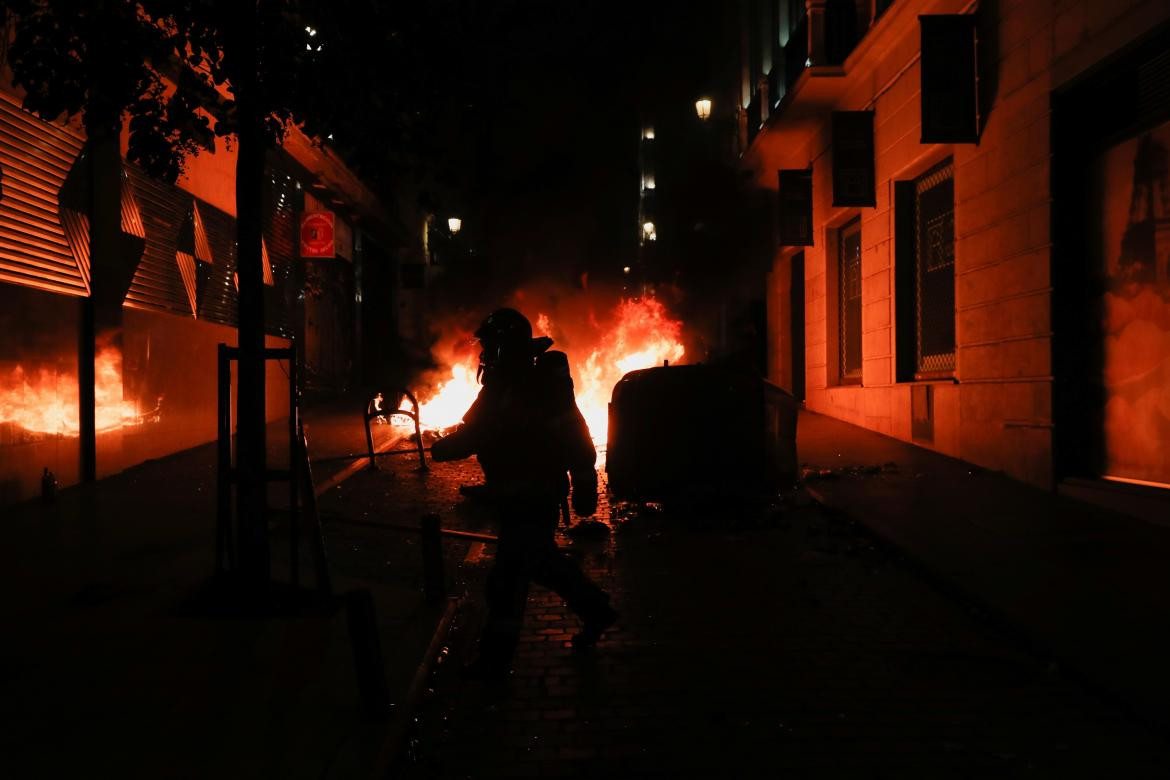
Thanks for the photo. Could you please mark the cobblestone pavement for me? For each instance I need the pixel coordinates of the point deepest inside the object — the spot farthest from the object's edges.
(776, 643)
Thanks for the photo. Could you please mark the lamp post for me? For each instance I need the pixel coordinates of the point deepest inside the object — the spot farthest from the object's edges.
(454, 224)
(703, 108)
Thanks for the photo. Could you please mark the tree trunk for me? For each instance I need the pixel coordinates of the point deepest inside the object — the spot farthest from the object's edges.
(250, 442)
(109, 264)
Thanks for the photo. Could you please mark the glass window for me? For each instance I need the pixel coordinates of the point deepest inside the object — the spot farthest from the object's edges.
(934, 270)
(849, 302)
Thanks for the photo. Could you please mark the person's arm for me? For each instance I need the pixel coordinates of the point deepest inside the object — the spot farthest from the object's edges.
(457, 445)
(464, 441)
(571, 433)
(582, 465)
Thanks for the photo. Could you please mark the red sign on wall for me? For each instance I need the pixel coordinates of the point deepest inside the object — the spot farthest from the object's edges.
(317, 234)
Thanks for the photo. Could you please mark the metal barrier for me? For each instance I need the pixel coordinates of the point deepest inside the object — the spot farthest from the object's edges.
(374, 411)
(298, 475)
(431, 531)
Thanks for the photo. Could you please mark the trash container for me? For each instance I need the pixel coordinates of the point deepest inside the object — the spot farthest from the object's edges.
(682, 431)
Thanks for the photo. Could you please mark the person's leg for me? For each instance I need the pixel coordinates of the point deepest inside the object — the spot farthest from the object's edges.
(505, 593)
(558, 572)
(562, 575)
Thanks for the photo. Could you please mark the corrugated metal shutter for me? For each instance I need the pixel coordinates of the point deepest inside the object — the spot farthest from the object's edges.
(192, 249)
(217, 293)
(158, 283)
(35, 157)
(280, 238)
(73, 210)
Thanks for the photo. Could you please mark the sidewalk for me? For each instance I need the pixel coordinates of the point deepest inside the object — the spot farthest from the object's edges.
(1084, 586)
(110, 668)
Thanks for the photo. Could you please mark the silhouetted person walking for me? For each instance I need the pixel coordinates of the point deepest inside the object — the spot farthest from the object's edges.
(529, 436)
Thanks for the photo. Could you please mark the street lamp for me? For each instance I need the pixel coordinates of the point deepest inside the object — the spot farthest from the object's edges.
(454, 224)
(703, 108)
(649, 231)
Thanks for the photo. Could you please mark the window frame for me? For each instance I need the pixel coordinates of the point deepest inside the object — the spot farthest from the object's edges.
(848, 374)
(936, 365)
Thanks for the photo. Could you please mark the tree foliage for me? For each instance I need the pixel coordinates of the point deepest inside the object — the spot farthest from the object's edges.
(392, 87)
(98, 60)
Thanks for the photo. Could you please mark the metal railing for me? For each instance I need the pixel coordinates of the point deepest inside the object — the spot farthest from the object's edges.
(796, 53)
(375, 411)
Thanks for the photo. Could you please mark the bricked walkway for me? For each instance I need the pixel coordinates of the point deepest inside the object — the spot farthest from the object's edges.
(791, 646)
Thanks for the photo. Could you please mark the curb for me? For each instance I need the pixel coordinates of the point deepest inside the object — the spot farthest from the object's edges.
(394, 741)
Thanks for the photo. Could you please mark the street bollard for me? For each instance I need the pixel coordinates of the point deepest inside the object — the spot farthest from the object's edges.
(367, 653)
(432, 553)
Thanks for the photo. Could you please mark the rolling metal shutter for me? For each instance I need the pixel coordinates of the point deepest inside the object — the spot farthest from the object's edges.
(217, 291)
(35, 158)
(158, 284)
(280, 239)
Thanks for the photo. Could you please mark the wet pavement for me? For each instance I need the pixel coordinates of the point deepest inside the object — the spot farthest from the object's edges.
(781, 641)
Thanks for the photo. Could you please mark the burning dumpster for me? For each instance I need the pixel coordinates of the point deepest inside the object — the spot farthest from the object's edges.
(681, 431)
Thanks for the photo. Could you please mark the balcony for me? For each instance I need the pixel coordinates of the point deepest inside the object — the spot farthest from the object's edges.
(841, 26)
(809, 69)
(825, 34)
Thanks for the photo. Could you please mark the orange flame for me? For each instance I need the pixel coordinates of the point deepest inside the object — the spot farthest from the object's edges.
(45, 402)
(641, 334)
(446, 407)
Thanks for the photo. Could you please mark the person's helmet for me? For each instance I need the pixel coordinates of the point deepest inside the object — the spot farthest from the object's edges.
(505, 327)
(506, 340)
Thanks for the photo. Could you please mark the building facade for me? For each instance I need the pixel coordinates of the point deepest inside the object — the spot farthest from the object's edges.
(969, 251)
(155, 361)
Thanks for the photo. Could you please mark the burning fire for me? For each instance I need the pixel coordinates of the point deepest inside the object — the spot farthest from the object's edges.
(45, 402)
(641, 334)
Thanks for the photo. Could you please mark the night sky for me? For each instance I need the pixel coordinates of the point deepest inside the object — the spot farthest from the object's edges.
(550, 189)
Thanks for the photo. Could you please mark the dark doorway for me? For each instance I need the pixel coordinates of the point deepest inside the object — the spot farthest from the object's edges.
(797, 308)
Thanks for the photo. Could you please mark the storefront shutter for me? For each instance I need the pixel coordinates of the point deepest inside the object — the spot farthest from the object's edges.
(35, 158)
(158, 283)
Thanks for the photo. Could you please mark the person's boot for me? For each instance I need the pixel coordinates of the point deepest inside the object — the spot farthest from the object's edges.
(595, 624)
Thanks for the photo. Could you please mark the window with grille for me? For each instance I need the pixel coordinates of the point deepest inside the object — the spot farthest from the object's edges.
(849, 302)
(934, 271)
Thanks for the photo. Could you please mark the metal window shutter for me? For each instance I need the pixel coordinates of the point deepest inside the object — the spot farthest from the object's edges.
(280, 238)
(217, 299)
(158, 284)
(35, 157)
